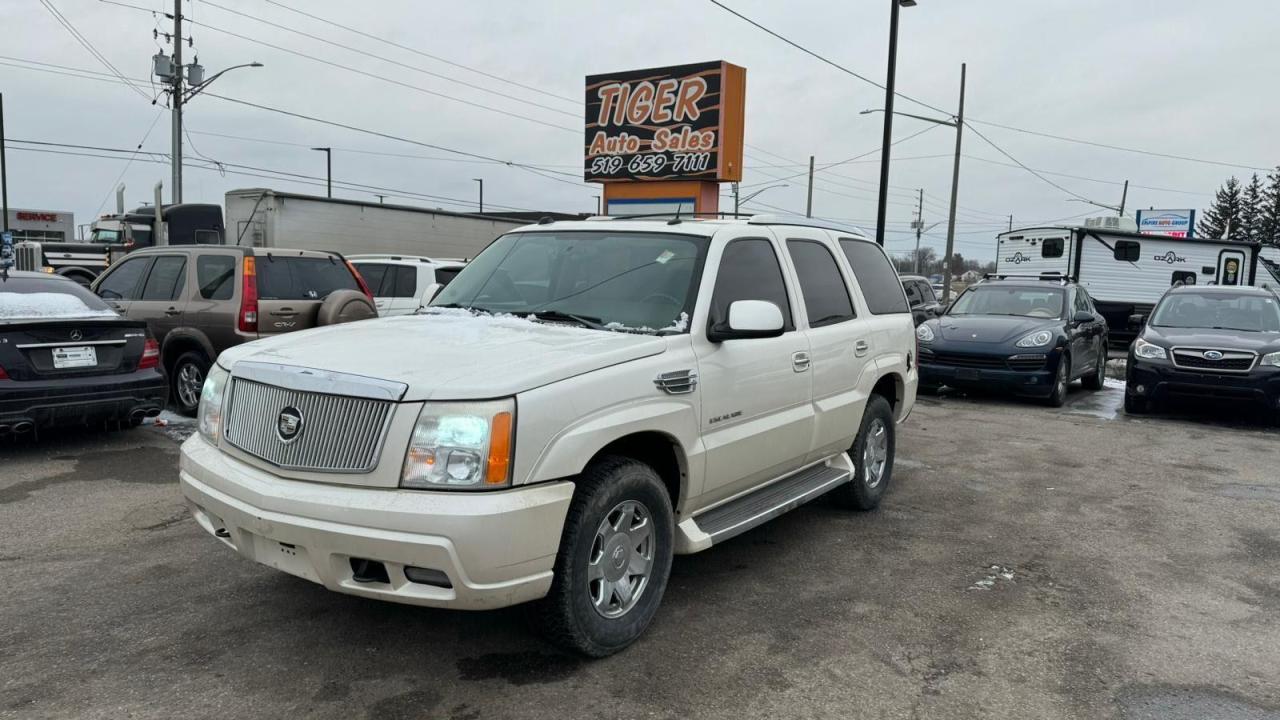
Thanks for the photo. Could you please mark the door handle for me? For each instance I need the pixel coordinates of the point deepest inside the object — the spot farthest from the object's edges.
(800, 361)
(861, 348)
(172, 311)
(286, 312)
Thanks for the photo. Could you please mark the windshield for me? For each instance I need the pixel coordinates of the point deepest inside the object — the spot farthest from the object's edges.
(1222, 311)
(115, 236)
(642, 282)
(1017, 301)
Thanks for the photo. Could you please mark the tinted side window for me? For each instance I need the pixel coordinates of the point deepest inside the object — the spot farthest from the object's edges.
(749, 270)
(826, 297)
(123, 280)
(444, 276)
(876, 277)
(913, 291)
(926, 292)
(373, 274)
(1082, 304)
(406, 281)
(1128, 250)
(1052, 247)
(167, 278)
(215, 276)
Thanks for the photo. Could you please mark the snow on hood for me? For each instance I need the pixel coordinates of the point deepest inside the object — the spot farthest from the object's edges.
(450, 354)
(46, 306)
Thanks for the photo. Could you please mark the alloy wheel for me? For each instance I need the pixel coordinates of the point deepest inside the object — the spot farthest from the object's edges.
(875, 453)
(190, 383)
(621, 559)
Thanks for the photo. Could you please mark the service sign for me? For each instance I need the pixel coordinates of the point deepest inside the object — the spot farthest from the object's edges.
(1174, 223)
(672, 123)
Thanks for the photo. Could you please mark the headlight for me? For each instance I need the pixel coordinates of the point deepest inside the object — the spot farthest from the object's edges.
(1036, 339)
(1270, 359)
(461, 446)
(924, 333)
(1151, 351)
(211, 396)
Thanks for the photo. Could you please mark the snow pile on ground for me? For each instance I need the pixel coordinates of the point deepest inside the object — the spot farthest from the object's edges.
(46, 306)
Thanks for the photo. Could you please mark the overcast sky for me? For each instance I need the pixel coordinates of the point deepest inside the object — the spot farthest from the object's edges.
(1181, 77)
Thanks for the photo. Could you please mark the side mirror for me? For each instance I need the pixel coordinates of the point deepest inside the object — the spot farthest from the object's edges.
(1082, 317)
(748, 319)
(1136, 320)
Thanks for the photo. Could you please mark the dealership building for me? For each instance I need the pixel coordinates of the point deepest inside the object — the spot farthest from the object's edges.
(42, 225)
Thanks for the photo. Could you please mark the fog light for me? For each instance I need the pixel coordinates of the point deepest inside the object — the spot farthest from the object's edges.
(1141, 389)
(427, 576)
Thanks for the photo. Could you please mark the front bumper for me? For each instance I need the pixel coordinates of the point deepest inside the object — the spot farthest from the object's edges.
(1032, 383)
(1161, 380)
(496, 548)
(80, 400)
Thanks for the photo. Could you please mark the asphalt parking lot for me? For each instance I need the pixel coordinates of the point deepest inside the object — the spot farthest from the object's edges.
(1028, 563)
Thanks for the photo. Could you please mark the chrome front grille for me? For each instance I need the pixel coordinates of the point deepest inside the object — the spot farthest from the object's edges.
(1214, 360)
(335, 433)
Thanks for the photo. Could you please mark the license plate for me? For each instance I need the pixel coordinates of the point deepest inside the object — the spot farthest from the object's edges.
(967, 374)
(74, 357)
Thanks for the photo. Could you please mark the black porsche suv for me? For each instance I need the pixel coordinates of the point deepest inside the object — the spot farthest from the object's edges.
(1207, 342)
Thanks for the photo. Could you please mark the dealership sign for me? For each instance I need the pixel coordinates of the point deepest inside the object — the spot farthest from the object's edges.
(672, 123)
(1174, 223)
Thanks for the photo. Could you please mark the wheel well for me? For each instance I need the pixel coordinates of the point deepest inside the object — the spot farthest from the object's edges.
(173, 349)
(81, 276)
(890, 388)
(658, 451)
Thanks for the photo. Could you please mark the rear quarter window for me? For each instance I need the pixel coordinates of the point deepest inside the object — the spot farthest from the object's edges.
(302, 278)
(877, 278)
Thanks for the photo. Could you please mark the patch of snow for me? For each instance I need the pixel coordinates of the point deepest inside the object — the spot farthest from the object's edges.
(47, 306)
(681, 323)
(176, 427)
(1113, 383)
(995, 574)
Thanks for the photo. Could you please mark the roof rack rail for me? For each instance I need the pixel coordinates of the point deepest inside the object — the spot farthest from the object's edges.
(798, 220)
(671, 215)
(1047, 277)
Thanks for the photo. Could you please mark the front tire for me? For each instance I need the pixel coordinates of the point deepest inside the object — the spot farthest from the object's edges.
(872, 453)
(1058, 397)
(186, 379)
(614, 560)
(1135, 405)
(1094, 380)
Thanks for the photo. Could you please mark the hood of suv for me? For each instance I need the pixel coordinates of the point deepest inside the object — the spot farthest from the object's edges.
(991, 328)
(452, 356)
(1213, 339)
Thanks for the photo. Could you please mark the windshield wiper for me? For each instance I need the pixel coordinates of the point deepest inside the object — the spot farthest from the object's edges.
(586, 321)
(459, 306)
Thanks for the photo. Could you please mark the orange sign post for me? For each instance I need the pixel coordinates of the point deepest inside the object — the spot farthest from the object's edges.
(661, 140)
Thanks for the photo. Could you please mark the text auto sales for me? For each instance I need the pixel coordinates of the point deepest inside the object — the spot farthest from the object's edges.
(648, 103)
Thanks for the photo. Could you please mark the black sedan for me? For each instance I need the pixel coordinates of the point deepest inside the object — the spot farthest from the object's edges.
(1028, 337)
(1205, 342)
(66, 358)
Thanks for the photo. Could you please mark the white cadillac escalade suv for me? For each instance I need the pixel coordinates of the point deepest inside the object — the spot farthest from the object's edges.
(585, 400)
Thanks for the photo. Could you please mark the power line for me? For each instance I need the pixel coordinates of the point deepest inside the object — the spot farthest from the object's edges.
(87, 45)
(385, 79)
(1116, 183)
(1062, 138)
(847, 160)
(407, 66)
(437, 58)
(1024, 167)
(128, 163)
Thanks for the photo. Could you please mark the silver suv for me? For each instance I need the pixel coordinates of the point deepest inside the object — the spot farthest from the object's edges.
(199, 300)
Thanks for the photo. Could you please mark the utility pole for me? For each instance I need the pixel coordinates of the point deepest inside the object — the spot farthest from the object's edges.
(919, 228)
(4, 174)
(380, 198)
(1010, 223)
(328, 168)
(481, 181)
(1123, 197)
(883, 205)
(808, 211)
(735, 199)
(955, 192)
(175, 193)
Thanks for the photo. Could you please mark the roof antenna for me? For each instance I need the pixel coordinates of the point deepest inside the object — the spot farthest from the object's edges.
(676, 220)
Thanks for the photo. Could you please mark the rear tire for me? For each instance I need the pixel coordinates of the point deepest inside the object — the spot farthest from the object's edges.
(1095, 379)
(614, 560)
(1061, 380)
(872, 453)
(186, 380)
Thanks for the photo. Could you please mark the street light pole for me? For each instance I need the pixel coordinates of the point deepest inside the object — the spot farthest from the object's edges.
(955, 190)
(919, 228)
(808, 208)
(883, 205)
(175, 193)
(481, 181)
(328, 168)
(4, 175)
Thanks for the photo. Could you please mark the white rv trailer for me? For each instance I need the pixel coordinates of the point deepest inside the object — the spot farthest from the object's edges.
(1126, 273)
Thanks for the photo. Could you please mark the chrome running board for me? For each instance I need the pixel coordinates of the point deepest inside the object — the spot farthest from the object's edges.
(743, 513)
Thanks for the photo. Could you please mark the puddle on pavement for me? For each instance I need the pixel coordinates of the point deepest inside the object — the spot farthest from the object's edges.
(1182, 703)
(1250, 492)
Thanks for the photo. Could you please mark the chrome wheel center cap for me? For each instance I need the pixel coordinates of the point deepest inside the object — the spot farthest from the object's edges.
(617, 555)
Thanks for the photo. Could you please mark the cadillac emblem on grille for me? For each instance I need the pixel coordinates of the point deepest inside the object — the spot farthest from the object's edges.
(289, 424)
